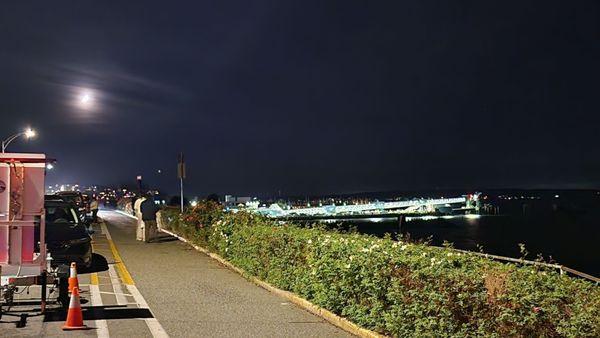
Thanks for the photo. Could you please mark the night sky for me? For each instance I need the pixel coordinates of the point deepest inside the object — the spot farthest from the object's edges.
(307, 97)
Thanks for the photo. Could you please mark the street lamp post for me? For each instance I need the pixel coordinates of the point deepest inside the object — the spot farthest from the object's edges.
(28, 133)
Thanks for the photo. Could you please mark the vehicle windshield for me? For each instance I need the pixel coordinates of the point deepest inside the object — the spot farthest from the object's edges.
(59, 214)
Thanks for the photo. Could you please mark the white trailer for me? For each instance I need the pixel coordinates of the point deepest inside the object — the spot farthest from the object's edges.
(23, 256)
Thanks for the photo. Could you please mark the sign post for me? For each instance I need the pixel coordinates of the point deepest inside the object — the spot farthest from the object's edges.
(181, 176)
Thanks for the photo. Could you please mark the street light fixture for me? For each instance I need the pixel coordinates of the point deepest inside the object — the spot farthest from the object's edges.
(27, 133)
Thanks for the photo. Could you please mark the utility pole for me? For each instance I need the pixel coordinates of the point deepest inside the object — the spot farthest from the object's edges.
(181, 175)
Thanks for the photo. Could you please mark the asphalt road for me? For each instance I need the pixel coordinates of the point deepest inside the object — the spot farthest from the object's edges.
(190, 294)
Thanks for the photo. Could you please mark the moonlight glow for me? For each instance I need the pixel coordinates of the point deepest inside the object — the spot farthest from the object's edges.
(85, 99)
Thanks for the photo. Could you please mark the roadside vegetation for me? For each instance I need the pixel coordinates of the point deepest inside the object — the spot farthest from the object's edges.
(394, 287)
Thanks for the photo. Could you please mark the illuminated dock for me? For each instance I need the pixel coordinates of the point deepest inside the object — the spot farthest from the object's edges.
(416, 206)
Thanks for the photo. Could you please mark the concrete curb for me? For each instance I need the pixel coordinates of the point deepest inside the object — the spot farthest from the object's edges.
(329, 316)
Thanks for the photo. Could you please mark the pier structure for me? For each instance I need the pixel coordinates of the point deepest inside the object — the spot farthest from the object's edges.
(421, 206)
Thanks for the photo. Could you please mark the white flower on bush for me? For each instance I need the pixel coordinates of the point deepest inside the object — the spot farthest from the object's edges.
(435, 261)
(402, 248)
(310, 241)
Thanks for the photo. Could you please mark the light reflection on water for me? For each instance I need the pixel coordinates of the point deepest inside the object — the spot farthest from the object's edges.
(569, 239)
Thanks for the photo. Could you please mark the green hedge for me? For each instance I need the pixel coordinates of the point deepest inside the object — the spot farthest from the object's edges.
(396, 288)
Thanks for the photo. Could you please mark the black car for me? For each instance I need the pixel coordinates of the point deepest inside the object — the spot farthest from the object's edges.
(67, 238)
(75, 198)
(84, 217)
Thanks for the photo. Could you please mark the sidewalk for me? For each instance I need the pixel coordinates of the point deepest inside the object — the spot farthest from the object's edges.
(192, 295)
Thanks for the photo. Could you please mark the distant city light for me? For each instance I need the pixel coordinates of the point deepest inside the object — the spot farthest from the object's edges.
(49, 166)
(194, 203)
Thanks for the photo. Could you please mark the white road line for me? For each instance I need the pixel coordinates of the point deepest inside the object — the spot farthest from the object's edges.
(96, 299)
(154, 326)
(125, 214)
(101, 324)
(116, 284)
(105, 230)
(112, 293)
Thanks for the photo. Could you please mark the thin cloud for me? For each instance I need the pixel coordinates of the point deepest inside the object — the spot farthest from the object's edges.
(115, 93)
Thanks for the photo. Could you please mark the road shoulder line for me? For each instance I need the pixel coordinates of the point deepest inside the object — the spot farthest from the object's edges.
(121, 268)
(153, 324)
(96, 299)
(101, 324)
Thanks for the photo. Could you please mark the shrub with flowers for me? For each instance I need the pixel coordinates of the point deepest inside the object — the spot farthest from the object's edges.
(397, 288)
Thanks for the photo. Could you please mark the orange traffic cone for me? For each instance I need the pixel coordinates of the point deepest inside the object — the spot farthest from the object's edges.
(73, 280)
(74, 316)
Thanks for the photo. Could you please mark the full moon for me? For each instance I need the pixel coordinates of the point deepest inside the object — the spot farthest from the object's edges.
(86, 99)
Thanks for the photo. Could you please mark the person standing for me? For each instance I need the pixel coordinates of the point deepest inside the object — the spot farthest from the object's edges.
(148, 210)
(94, 209)
(137, 212)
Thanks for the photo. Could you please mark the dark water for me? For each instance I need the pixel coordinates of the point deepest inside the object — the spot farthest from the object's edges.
(566, 228)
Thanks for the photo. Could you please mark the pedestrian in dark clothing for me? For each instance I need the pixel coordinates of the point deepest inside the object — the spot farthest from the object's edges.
(148, 209)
